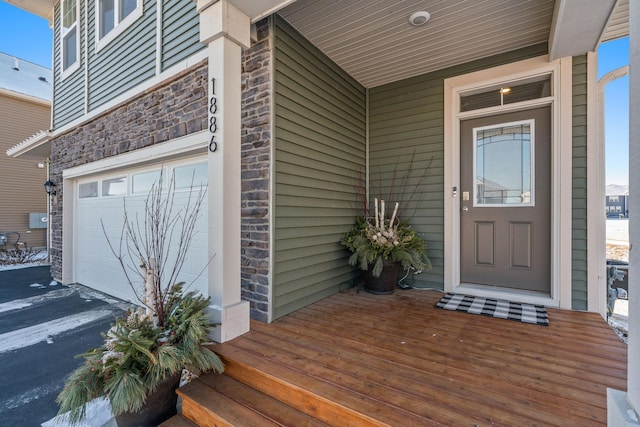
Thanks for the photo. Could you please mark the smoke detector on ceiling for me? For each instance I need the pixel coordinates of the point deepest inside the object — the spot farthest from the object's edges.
(419, 18)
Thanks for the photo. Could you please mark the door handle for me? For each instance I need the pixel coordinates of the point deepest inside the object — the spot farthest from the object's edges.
(465, 209)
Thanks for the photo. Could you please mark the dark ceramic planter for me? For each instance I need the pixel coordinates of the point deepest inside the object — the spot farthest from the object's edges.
(160, 406)
(386, 283)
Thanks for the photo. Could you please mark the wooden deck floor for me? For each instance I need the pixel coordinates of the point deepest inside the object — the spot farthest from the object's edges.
(402, 361)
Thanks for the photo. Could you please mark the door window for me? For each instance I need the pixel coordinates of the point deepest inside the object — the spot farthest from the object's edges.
(503, 165)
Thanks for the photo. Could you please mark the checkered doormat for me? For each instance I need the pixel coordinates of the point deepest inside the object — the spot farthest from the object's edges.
(527, 313)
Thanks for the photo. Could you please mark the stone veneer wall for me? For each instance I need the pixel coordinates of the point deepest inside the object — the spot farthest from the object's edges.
(177, 108)
(256, 162)
(172, 109)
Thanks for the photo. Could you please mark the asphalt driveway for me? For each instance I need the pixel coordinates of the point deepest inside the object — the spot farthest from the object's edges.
(43, 325)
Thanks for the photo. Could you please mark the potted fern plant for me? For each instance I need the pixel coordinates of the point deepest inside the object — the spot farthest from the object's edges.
(381, 247)
(138, 367)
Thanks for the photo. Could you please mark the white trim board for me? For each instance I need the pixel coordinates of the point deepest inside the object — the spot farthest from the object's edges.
(561, 119)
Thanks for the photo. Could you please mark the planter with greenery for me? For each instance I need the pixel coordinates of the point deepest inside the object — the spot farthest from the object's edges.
(147, 349)
(378, 244)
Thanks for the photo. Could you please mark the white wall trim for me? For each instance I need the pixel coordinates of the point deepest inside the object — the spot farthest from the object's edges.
(596, 240)
(272, 172)
(596, 147)
(133, 92)
(560, 101)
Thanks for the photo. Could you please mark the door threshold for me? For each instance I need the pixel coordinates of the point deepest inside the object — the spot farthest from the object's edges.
(510, 294)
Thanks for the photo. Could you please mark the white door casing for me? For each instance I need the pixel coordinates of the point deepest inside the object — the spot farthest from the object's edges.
(561, 159)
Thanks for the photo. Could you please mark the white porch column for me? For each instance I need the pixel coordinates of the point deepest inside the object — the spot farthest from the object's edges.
(226, 31)
(623, 408)
(634, 199)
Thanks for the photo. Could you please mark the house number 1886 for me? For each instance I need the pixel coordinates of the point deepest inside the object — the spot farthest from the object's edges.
(213, 121)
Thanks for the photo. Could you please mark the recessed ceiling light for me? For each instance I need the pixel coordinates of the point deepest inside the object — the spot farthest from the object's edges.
(419, 18)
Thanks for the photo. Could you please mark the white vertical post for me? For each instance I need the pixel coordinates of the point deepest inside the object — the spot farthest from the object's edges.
(623, 408)
(633, 376)
(226, 31)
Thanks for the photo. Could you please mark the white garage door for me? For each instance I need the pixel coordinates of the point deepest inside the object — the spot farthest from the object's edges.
(100, 206)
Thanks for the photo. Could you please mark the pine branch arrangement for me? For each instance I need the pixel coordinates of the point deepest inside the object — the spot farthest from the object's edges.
(137, 356)
(165, 334)
(374, 240)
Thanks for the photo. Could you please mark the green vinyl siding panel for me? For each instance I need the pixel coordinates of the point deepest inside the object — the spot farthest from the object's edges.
(320, 115)
(68, 94)
(406, 121)
(125, 62)
(180, 31)
(579, 264)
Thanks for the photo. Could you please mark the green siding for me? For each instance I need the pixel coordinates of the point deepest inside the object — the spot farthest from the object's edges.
(319, 153)
(579, 175)
(68, 95)
(407, 118)
(180, 31)
(127, 61)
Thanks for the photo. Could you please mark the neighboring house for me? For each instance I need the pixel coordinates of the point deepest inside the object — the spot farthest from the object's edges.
(284, 104)
(25, 109)
(617, 201)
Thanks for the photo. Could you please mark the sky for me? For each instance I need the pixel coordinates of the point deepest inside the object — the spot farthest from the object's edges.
(28, 37)
(25, 35)
(613, 55)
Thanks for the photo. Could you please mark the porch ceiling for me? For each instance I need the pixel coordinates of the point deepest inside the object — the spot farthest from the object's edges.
(375, 43)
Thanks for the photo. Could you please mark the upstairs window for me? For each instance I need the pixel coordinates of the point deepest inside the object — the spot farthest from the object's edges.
(69, 33)
(113, 17)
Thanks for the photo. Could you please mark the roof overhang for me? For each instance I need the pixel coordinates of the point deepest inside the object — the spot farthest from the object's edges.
(254, 9)
(257, 10)
(42, 8)
(37, 146)
(578, 26)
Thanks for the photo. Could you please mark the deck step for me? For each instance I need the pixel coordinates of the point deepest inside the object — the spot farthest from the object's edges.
(219, 400)
(177, 421)
(258, 390)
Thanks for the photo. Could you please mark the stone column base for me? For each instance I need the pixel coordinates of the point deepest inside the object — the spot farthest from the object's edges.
(619, 412)
(232, 321)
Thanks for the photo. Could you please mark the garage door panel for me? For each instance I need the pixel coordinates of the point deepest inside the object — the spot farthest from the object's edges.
(97, 267)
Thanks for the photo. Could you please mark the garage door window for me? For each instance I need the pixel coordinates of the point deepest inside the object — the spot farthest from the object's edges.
(190, 176)
(114, 187)
(142, 182)
(87, 190)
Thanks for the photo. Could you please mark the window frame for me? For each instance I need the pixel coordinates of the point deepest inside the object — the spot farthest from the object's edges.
(65, 72)
(119, 26)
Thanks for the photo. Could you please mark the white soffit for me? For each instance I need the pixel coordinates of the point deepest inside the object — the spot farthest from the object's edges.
(579, 26)
(619, 23)
(375, 43)
(258, 9)
(42, 8)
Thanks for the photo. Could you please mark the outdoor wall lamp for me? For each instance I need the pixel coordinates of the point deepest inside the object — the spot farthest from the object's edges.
(50, 188)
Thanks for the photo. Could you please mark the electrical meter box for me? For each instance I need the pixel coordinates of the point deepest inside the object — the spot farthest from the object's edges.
(38, 220)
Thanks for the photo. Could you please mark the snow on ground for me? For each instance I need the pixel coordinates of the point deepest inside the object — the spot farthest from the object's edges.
(619, 320)
(37, 260)
(98, 415)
